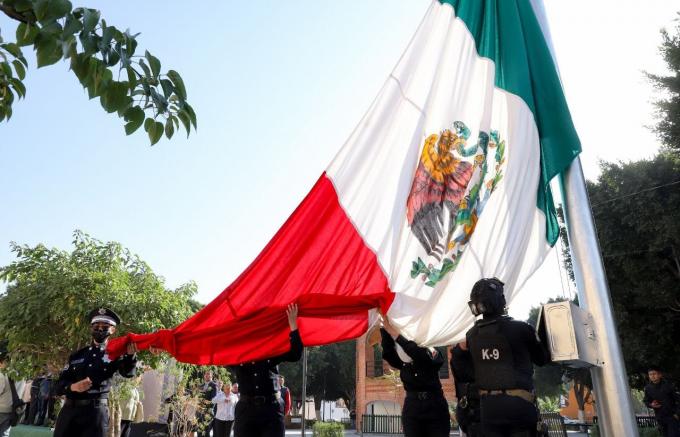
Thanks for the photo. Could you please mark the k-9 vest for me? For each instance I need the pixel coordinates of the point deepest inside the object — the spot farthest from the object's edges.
(492, 356)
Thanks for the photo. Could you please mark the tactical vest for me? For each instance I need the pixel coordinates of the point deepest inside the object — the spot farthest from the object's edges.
(492, 357)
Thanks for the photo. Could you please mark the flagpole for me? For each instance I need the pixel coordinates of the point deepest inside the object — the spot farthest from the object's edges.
(304, 390)
(616, 417)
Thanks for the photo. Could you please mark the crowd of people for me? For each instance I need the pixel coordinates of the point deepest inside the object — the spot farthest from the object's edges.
(492, 369)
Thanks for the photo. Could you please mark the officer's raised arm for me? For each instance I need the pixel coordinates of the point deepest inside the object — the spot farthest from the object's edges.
(296, 346)
(537, 351)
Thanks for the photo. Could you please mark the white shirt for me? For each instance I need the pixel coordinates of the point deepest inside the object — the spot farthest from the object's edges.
(225, 406)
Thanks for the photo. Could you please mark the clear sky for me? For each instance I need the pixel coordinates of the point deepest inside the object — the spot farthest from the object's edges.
(278, 87)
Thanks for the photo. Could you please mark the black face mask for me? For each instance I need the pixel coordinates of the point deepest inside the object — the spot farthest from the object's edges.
(100, 335)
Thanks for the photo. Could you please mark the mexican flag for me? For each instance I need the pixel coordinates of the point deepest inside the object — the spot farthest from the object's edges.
(444, 181)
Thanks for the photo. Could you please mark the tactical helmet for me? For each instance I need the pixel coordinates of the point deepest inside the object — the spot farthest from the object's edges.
(487, 297)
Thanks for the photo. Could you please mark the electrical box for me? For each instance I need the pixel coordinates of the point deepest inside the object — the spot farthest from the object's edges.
(569, 334)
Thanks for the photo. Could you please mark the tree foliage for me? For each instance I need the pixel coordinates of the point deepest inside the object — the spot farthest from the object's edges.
(668, 126)
(331, 373)
(43, 313)
(636, 207)
(98, 54)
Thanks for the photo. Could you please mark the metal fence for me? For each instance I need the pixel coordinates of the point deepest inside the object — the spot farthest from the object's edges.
(555, 424)
(642, 421)
(381, 424)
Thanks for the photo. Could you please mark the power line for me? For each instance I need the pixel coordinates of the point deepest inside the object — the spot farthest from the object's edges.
(635, 193)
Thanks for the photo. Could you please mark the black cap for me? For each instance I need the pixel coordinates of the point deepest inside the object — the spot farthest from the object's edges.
(104, 315)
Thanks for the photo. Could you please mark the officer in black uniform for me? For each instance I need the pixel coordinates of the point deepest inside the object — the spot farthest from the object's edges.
(426, 411)
(86, 380)
(259, 411)
(503, 353)
(467, 393)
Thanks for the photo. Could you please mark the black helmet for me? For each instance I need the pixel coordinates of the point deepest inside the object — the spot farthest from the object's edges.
(487, 297)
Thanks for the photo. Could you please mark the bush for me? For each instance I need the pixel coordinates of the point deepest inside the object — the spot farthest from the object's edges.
(328, 429)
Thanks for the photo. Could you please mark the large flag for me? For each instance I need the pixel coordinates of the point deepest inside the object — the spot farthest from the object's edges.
(444, 181)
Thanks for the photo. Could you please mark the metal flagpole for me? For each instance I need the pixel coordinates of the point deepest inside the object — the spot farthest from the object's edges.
(304, 390)
(615, 414)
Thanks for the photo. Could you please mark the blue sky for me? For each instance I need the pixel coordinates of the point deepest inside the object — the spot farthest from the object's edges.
(278, 87)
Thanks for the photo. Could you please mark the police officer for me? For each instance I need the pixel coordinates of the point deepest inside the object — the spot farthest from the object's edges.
(259, 411)
(86, 380)
(503, 352)
(467, 393)
(426, 411)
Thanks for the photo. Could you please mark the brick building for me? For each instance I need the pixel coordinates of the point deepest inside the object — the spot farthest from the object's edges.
(378, 389)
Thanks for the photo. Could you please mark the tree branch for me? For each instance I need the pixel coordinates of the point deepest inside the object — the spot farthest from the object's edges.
(11, 13)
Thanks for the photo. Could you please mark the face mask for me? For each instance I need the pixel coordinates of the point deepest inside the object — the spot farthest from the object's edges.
(100, 335)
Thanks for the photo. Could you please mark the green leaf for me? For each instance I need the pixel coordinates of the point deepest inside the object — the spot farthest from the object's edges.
(18, 87)
(72, 25)
(6, 69)
(57, 9)
(48, 51)
(148, 123)
(132, 78)
(115, 97)
(40, 9)
(154, 63)
(90, 19)
(147, 72)
(192, 114)
(135, 117)
(26, 34)
(167, 87)
(169, 128)
(179, 84)
(12, 48)
(21, 71)
(186, 121)
(155, 132)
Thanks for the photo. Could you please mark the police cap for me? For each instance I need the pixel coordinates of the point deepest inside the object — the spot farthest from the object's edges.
(104, 315)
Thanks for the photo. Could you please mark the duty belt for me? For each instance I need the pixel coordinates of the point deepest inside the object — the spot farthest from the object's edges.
(260, 399)
(517, 392)
(424, 394)
(86, 402)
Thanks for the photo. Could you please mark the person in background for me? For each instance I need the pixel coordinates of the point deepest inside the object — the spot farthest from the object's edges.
(285, 395)
(664, 399)
(6, 401)
(225, 400)
(206, 414)
(128, 408)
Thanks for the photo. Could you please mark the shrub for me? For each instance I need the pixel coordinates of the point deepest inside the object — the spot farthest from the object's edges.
(328, 429)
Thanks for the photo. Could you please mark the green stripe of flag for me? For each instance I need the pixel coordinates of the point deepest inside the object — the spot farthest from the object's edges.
(508, 33)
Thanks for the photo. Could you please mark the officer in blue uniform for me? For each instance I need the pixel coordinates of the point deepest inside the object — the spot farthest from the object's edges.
(426, 411)
(503, 354)
(259, 411)
(86, 380)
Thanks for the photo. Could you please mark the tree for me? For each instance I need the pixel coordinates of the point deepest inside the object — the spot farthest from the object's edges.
(43, 313)
(635, 206)
(668, 126)
(330, 372)
(98, 54)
